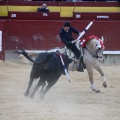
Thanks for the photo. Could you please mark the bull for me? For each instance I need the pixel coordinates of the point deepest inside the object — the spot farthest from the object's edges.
(48, 68)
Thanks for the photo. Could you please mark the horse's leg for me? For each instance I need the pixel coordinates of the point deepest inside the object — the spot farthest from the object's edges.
(29, 86)
(98, 68)
(90, 74)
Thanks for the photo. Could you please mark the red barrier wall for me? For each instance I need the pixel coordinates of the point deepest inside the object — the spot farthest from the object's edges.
(2, 28)
(37, 34)
(34, 15)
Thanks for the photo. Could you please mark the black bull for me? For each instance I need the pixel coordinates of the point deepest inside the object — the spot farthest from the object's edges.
(48, 67)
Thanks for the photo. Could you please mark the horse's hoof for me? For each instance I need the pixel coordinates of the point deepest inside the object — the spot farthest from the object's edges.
(26, 94)
(104, 84)
(97, 91)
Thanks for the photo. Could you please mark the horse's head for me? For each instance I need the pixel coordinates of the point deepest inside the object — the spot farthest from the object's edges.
(95, 47)
(98, 47)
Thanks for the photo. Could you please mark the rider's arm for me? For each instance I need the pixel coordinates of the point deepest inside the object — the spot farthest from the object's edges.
(63, 39)
(75, 31)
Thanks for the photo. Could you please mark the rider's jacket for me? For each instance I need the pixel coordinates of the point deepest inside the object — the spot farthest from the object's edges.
(66, 37)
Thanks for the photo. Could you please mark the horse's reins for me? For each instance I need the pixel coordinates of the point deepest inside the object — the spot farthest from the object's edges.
(92, 54)
(97, 52)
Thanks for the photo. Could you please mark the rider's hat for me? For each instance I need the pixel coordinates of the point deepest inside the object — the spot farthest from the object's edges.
(66, 24)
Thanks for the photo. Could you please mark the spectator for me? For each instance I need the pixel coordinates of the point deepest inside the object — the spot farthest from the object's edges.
(43, 8)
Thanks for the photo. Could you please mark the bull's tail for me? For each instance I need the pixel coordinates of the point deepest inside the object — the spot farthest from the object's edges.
(23, 52)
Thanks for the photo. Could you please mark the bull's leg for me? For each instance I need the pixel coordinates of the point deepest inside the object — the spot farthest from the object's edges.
(98, 68)
(43, 86)
(29, 86)
(50, 84)
(36, 88)
(90, 74)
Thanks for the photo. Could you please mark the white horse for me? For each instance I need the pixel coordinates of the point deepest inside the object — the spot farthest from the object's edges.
(92, 56)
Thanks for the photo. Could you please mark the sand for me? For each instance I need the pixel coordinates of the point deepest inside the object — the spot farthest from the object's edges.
(65, 101)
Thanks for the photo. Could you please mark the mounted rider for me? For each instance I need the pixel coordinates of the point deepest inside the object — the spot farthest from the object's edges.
(69, 41)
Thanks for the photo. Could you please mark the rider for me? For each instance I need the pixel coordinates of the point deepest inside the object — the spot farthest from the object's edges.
(68, 40)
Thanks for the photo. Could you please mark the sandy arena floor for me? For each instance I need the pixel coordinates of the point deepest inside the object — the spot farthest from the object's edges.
(64, 101)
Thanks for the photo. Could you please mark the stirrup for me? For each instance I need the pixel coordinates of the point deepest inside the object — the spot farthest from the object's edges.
(80, 69)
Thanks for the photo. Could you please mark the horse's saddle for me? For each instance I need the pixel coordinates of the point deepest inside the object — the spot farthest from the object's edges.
(81, 66)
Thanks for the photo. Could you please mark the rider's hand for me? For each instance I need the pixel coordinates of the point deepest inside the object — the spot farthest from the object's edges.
(74, 41)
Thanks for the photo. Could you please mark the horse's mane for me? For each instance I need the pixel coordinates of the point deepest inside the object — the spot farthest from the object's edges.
(92, 43)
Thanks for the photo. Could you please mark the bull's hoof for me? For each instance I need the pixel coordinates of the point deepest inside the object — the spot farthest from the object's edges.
(104, 84)
(97, 91)
(31, 96)
(41, 91)
(41, 97)
(26, 94)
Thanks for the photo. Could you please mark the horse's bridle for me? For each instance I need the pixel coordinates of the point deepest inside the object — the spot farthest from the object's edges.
(92, 54)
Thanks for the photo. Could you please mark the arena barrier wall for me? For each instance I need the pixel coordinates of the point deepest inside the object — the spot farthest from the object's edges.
(44, 34)
(2, 39)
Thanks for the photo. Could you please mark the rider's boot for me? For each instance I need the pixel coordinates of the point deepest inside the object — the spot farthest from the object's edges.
(82, 62)
(80, 66)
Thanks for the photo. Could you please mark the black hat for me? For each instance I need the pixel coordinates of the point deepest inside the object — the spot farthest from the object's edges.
(66, 24)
